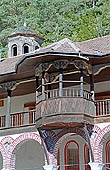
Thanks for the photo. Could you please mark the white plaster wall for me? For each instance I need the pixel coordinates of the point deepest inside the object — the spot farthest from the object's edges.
(1, 161)
(30, 155)
(81, 143)
(17, 103)
(98, 87)
(102, 86)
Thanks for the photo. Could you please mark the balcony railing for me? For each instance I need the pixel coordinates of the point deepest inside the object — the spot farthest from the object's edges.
(19, 119)
(102, 107)
(66, 92)
(2, 121)
(70, 103)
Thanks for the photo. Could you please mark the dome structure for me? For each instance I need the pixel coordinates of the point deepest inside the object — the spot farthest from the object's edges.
(23, 30)
(23, 40)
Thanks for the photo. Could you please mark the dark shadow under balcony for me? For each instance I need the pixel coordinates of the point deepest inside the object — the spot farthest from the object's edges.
(70, 109)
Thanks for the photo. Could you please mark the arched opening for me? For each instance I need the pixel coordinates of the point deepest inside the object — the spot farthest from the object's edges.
(86, 157)
(58, 159)
(71, 155)
(107, 149)
(25, 48)
(36, 47)
(29, 155)
(1, 161)
(14, 50)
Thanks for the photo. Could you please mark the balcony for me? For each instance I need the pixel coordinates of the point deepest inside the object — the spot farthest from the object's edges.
(70, 109)
(19, 119)
(102, 111)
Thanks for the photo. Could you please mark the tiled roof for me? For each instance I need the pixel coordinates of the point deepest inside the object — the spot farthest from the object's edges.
(100, 45)
(64, 45)
(96, 45)
(23, 30)
(8, 65)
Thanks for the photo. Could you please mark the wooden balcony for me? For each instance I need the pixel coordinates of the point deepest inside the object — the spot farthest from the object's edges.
(102, 111)
(70, 109)
(19, 119)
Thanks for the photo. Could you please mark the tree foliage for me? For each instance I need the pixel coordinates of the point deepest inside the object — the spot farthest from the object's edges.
(77, 20)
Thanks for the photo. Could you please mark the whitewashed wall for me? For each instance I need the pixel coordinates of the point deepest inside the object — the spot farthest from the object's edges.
(17, 103)
(30, 155)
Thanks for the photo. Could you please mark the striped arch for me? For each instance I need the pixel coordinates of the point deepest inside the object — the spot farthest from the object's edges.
(64, 134)
(68, 132)
(16, 145)
(99, 142)
(4, 154)
(7, 139)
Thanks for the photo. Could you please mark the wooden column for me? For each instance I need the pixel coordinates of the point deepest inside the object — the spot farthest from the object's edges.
(43, 86)
(60, 83)
(81, 83)
(8, 87)
(37, 85)
(92, 85)
(8, 108)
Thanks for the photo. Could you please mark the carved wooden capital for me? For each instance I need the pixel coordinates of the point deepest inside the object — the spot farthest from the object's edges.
(79, 64)
(41, 68)
(8, 85)
(60, 64)
(50, 77)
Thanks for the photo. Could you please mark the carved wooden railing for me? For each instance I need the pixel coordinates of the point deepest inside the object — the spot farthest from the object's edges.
(102, 107)
(2, 121)
(23, 118)
(19, 119)
(66, 92)
(69, 103)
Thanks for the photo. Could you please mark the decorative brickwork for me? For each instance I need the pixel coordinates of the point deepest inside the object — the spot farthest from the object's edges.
(15, 145)
(99, 143)
(3, 153)
(68, 132)
(53, 140)
(7, 139)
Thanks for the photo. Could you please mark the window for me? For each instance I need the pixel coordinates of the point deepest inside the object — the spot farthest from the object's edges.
(72, 155)
(86, 157)
(14, 50)
(26, 48)
(107, 149)
(36, 47)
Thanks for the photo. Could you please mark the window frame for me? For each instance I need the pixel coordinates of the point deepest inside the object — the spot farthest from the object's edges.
(12, 50)
(85, 156)
(107, 153)
(26, 45)
(65, 154)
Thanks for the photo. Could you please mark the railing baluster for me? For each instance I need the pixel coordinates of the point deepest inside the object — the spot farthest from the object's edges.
(102, 107)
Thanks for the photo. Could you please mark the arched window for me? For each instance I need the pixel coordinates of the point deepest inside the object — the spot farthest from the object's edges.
(25, 48)
(14, 50)
(86, 157)
(36, 47)
(107, 149)
(72, 155)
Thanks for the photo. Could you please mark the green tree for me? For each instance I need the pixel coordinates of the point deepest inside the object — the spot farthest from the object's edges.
(77, 20)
